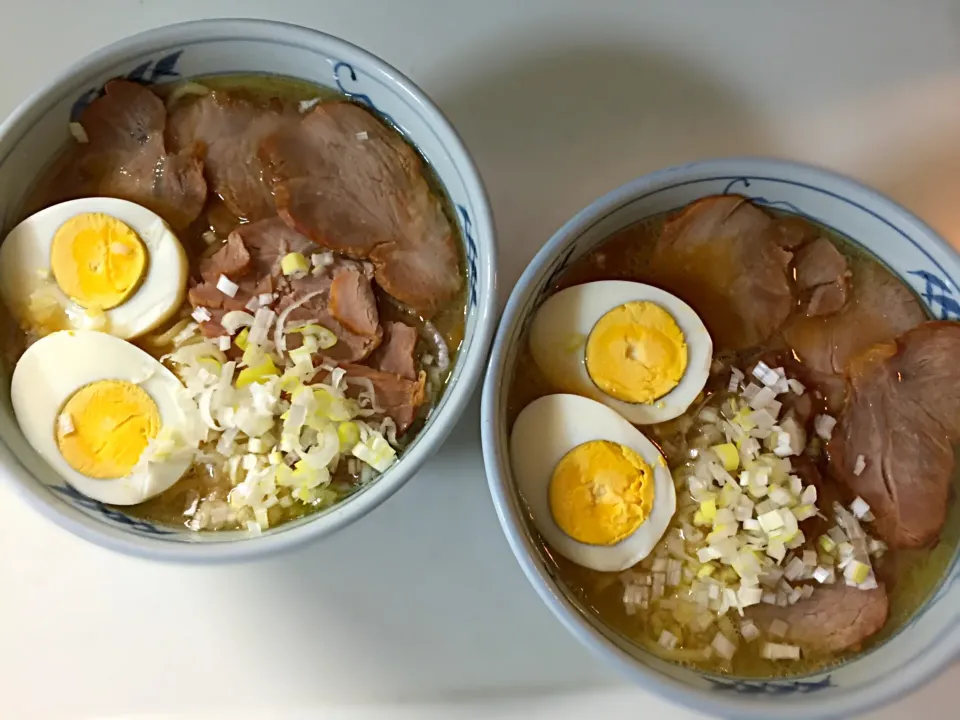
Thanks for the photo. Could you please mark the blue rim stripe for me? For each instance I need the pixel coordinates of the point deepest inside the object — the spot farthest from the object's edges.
(794, 183)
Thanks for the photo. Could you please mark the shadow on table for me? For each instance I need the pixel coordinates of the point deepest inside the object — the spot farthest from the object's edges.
(423, 595)
(554, 126)
(551, 128)
(928, 184)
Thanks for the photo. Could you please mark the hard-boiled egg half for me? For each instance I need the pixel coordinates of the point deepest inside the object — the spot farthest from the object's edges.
(598, 491)
(94, 263)
(635, 348)
(111, 420)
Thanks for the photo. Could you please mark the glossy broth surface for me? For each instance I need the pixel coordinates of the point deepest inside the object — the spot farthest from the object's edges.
(205, 481)
(911, 576)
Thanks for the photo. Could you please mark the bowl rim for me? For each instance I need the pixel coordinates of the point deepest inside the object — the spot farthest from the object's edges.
(25, 485)
(510, 514)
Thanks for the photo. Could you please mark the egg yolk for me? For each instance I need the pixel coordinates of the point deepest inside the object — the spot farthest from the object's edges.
(97, 260)
(601, 492)
(636, 353)
(107, 427)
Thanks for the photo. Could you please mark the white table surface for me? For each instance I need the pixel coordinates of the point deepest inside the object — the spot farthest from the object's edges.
(419, 611)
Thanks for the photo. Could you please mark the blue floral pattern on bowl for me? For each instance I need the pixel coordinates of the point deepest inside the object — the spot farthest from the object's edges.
(344, 73)
(936, 291)
(148, 73)
(938, 295)
(731, 189)
(766, 687)
(134, 525)
(471, 253)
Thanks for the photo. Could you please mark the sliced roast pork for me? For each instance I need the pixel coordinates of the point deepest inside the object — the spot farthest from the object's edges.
(718, 254)
(821, 274)
(396, 354)
(268, 241)
(312, 297)
(251, 257)
(351, 184)
(352, 302)
(125, 157)
(834, 618)
(880, 308)
(894, 443)
(222, 220)
(396, 396)
(232, 259)
(227, 129)
(792, 231)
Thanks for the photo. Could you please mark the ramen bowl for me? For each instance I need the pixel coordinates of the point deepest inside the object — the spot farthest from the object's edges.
(38, 129)
(924, 644)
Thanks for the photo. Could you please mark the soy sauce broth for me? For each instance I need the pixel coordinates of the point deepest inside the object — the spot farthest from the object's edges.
(204, 481)
(911, 576)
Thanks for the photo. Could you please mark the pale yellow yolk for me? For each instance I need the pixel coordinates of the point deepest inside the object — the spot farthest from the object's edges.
(636, 353)
(108, 426)
(601, 492)
(97, 260)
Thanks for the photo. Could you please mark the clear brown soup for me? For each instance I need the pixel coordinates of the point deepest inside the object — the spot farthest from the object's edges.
(910, 576)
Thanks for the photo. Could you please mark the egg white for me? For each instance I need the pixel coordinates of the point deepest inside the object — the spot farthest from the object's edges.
(562, 324)
(56, 366)
(25, 266)
(549, 428)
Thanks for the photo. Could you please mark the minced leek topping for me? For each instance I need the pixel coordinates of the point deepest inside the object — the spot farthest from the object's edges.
(736, 539)
(277, 423)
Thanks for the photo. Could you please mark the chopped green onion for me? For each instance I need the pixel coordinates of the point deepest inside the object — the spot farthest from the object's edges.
(776, 651)
(778, 628)
(294, 263)
(723, 646)
(749, 631)
(823, 575)
(856, 572)
(706, 570)
(708, 510)
(749, 596)
(668, 640)
(728, 455)
(262, 371)
(859, 508)
(301, 356)
(770, 521)
(781, 497)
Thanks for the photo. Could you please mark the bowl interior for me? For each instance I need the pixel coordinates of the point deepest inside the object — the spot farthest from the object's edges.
(901, 242)
(32, 138)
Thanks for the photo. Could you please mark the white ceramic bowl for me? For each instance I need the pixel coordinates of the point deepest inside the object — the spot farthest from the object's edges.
(914, 252)
(38, 129)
